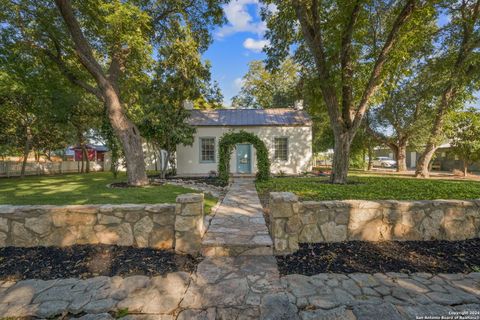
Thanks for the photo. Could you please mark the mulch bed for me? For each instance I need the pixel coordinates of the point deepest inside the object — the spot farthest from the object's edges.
(85, 261)
(388, 256)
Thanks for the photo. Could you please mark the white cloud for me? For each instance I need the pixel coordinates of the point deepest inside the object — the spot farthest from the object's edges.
(240, 20)
(255, 45)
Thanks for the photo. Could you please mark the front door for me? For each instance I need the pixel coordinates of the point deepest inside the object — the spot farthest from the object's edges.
(244, 156)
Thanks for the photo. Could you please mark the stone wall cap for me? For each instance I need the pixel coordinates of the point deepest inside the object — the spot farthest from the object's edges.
(190, 197)
(372, 204)
(283, 197)
(7, 209)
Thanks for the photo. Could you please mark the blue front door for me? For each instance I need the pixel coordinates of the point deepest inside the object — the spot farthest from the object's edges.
(244, 156)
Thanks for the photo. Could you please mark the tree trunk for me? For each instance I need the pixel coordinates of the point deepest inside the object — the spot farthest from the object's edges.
(173, 163)
(422, 170)
(26, 151)
(82, 170)
(164, 162)
(85, 157)
(155, 158)
(341, 158)
(370, 157)
(129, 137)
(401, 155)
(465, 168)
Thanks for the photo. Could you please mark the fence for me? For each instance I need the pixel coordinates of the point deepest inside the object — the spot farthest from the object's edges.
(13, 169)
(322, 159)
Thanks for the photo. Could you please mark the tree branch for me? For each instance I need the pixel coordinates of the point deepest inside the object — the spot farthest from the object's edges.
(82, 47)
(346, 63)
(313, 36)
(381, 138)
(374, 81)
(71, 76)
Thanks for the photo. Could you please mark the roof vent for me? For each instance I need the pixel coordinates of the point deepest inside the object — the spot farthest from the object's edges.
(298, 105)
(188, 105)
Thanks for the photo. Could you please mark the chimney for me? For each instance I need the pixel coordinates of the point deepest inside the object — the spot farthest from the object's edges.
(188, 105)
(298, 105)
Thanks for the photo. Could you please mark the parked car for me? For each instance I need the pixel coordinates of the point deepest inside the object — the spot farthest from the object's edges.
(384, 162)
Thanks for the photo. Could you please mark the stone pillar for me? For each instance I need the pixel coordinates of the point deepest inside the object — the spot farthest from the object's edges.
(189, 226)
(285, 223)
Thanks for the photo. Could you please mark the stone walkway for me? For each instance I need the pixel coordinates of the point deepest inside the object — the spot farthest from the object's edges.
(245, 286)
(238, 227)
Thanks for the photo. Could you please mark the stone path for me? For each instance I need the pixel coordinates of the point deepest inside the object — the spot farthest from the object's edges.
(384, 296)
(238, 227)
(245, 287)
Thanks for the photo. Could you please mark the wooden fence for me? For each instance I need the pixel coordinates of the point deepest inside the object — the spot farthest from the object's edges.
(13, 168)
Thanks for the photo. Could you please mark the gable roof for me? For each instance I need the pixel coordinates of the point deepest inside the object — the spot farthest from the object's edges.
(249, 117)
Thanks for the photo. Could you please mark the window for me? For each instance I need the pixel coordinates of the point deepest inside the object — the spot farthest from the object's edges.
(281, 149)
(207, 149)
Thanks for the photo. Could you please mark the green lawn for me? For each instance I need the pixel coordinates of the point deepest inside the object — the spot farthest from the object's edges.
(373, 188)
(85, 189)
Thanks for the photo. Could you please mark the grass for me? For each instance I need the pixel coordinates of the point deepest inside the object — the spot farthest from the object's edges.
(364, 187)
(86, 189)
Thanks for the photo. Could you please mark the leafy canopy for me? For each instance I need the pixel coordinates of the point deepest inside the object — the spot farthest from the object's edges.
(262, 88)
(463, 132)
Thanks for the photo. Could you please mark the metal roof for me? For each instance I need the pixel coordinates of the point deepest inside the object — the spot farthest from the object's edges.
(249, 117)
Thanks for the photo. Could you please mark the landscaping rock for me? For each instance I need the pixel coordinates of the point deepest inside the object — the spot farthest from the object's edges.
(141, 231)
(277, 307)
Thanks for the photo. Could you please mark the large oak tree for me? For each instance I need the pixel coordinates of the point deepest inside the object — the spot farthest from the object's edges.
(106, 47)
(352, 46)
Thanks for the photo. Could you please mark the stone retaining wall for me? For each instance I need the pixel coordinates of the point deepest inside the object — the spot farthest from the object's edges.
(162, 226)
(293, 222)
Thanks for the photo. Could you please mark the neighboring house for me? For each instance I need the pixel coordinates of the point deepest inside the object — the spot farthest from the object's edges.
(444, 160)
(95, 152)
(287, 134)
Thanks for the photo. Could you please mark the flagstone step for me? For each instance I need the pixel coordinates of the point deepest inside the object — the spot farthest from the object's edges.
(234, 251)
(238, 227)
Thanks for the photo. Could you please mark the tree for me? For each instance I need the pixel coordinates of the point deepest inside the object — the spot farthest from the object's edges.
(106, 48)
(463, 132)
(30, 121)
(352, 46)
(403, 116)
(456, 67)
(180, 76)
(263, 89)
(165, 128)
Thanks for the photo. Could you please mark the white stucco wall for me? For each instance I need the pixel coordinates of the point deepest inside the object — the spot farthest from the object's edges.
(299, 150)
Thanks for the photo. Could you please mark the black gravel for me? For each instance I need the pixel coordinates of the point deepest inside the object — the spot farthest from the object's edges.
(85, 261)
(388, 256)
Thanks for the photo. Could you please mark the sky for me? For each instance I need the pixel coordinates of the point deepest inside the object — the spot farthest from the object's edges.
(235, 44)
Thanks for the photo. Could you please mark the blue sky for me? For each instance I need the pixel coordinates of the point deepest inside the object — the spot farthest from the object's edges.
(236, 44)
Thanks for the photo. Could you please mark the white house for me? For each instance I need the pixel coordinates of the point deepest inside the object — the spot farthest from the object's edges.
(287, 134)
